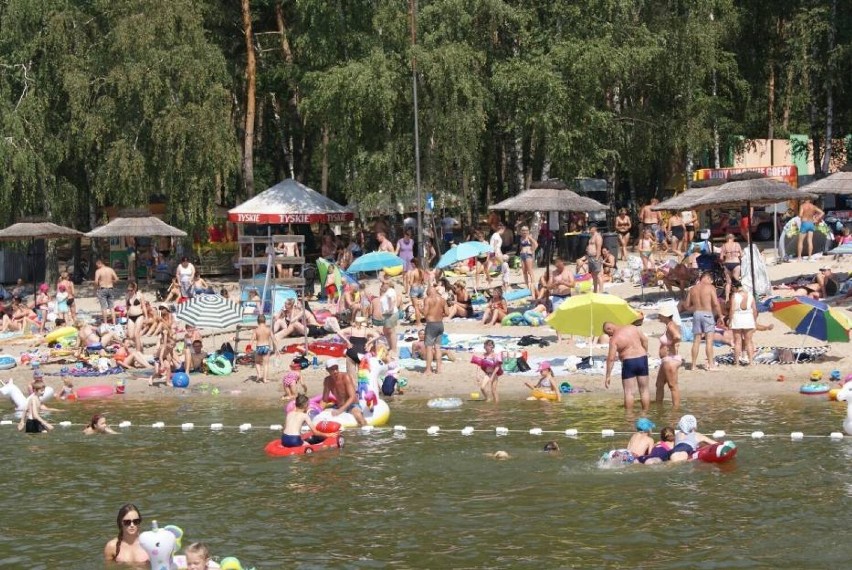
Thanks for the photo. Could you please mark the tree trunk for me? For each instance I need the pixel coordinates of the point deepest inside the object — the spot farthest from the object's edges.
(324, 180)
(788, 97)
(829, 93)
(545, 167)
(814, 120)
(251, 78)
(518, 156)
(770, 107)
(282, 30)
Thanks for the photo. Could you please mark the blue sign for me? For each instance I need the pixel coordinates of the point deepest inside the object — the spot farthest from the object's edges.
(430, 202)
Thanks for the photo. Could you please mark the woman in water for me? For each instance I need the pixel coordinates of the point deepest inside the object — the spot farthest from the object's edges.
(125, 548)
(490, 369)
(527, 248)
(98, 424)
(671, 360)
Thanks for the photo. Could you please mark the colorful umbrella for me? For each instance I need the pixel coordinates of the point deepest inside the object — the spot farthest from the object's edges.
(462, 252)
(813, 318)
(375, 261)
(209, 311)
(584, 315)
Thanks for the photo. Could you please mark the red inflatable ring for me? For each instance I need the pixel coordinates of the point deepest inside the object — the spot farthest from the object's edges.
(96, 391)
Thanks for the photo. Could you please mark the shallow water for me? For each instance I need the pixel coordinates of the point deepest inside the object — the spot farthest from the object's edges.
(417, 501)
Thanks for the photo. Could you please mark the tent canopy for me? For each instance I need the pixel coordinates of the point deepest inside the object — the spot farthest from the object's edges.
(290, 202)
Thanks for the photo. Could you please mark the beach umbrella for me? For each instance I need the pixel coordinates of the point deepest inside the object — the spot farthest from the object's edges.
(813, 318)
(837, 183)
(462, 252)
(209, 311)
(584, 315)
(375, 261)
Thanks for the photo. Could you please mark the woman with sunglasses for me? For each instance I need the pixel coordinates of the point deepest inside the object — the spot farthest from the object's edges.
(125, 548)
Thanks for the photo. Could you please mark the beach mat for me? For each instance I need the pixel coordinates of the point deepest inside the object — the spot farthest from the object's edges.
(772, 355)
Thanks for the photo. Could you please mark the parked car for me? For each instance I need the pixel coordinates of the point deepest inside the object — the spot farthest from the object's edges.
(731, 221)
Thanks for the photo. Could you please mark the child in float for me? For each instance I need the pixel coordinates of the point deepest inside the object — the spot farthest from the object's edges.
(31, 420)
(547, 382)
(67, 392)
(663, 449)
(293, 384)
(641, 443)
(98, 425)
(687, 439)
(292, 434)
(490, 369)
(198, 557)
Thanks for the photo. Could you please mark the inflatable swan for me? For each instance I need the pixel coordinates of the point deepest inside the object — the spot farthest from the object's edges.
(845, 395)
(17, 397)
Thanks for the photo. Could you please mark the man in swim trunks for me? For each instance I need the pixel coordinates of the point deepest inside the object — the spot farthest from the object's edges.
(434, 309)
(650, 218)
(706, 310)
(264, 345)
(593, 256)
(195, 357)
(561, 284)
(809, 216)
(342, 387)
(630, 345)
(105, 280)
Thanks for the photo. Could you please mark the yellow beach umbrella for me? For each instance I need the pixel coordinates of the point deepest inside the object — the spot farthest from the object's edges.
(584, 315)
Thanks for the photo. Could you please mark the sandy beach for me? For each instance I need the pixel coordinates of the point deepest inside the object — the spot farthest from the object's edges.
(458, 378)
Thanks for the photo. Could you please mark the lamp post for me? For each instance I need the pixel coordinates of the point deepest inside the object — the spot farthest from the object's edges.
(412, 9)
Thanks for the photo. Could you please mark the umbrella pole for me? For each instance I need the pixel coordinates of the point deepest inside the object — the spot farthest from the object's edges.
(807, 334)
(750, 252)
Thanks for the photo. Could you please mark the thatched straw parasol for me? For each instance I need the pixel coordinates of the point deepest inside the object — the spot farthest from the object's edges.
(549, 196)
(37, 230)
(133, 223)
(837, 183)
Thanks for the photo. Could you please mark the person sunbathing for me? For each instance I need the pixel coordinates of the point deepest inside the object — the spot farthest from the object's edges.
(128, 357)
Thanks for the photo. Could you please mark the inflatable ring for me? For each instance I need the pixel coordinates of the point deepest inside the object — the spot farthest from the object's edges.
(542, 395)
(7, 362)
(393, 271)
(444, 403)
(378, 416)
(716, 453)
(61, 332)
(96, 391)
(814, 389)
(219, 366)
(275, 449)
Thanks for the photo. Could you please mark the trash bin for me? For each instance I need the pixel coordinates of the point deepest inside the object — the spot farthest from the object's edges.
(610, 241)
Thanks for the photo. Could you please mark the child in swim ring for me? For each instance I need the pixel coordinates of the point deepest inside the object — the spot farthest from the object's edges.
(687, 439)
(641, 443)
(663, 449)
(197, 556)
(292, 433)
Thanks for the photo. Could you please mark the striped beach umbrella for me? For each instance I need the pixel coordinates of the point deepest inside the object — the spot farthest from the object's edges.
(209, 311)
(813, 318)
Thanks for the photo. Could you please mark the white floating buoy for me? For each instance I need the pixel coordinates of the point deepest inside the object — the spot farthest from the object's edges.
(125, 424)
(607, 433)
(245, 427)
(719, 434)
(187, 426)
(535, 431)
(757, 435)
(6, 422)
(501, 431)
(836, 436)
(433, 430)
(158, 425)
(571, 432)
(276, 427)
(216, 427)
(399, 428)
(467, 430)
(366, 429)
(66, 423)
(797, 436)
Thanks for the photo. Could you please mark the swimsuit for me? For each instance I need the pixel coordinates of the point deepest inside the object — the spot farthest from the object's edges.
(262, 350)
(34, 426)
(135, 318)
(703, 322)
(634, 367)
(807, 227)
(660, 451)
(105, 297)
(678, 232)
(664, 341)
(359, 347)
(434, 332)
(292, 440)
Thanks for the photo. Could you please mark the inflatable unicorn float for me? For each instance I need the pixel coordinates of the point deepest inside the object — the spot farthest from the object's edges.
(845, 395)
(162, 543)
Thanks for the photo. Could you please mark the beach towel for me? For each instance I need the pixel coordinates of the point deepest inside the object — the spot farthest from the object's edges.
(779, 355)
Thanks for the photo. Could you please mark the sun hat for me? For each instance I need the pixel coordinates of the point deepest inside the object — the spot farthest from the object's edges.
(667, 311)
(687, 424)
(644, 424)
(332, 363)
(544, 366)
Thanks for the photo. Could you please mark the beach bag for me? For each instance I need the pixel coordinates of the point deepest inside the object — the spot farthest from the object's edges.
(510, 365)
(522, 365)
(227, 351)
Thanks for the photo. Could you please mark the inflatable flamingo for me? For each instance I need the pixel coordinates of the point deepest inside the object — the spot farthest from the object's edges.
(845, 395)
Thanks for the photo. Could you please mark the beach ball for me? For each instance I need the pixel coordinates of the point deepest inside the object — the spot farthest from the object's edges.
(180, 380)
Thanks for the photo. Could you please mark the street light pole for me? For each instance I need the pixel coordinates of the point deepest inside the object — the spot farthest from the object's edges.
(412, 8)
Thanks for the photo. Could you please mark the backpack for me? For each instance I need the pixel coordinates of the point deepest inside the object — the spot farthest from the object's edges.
(227, 351)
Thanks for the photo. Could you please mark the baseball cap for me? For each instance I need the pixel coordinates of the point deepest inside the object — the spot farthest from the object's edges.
(644, 424)
(544, 366)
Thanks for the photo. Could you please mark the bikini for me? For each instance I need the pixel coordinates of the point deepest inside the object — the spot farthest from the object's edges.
(134, 318)
(359, 347)
(664, 341)
(526, 255)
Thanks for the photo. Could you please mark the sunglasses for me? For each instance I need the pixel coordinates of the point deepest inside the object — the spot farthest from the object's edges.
(134, 522)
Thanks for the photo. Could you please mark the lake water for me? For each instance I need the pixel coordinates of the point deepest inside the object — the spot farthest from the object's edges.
(417, 501)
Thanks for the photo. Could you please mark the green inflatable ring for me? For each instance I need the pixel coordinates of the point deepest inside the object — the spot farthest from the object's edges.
(219, 366)
(508, 319)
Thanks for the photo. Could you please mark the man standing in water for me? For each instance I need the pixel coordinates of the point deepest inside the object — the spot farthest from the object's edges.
(809, 215)
(630, 345)
(434, 309)
(593, 256)
(105, 280)
(342, 387)
(705, 307)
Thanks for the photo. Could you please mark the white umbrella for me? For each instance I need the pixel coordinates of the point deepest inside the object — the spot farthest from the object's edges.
(209, 311)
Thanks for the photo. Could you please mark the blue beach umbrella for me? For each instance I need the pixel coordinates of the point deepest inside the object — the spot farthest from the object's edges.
(462, 252)
(375, 261)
